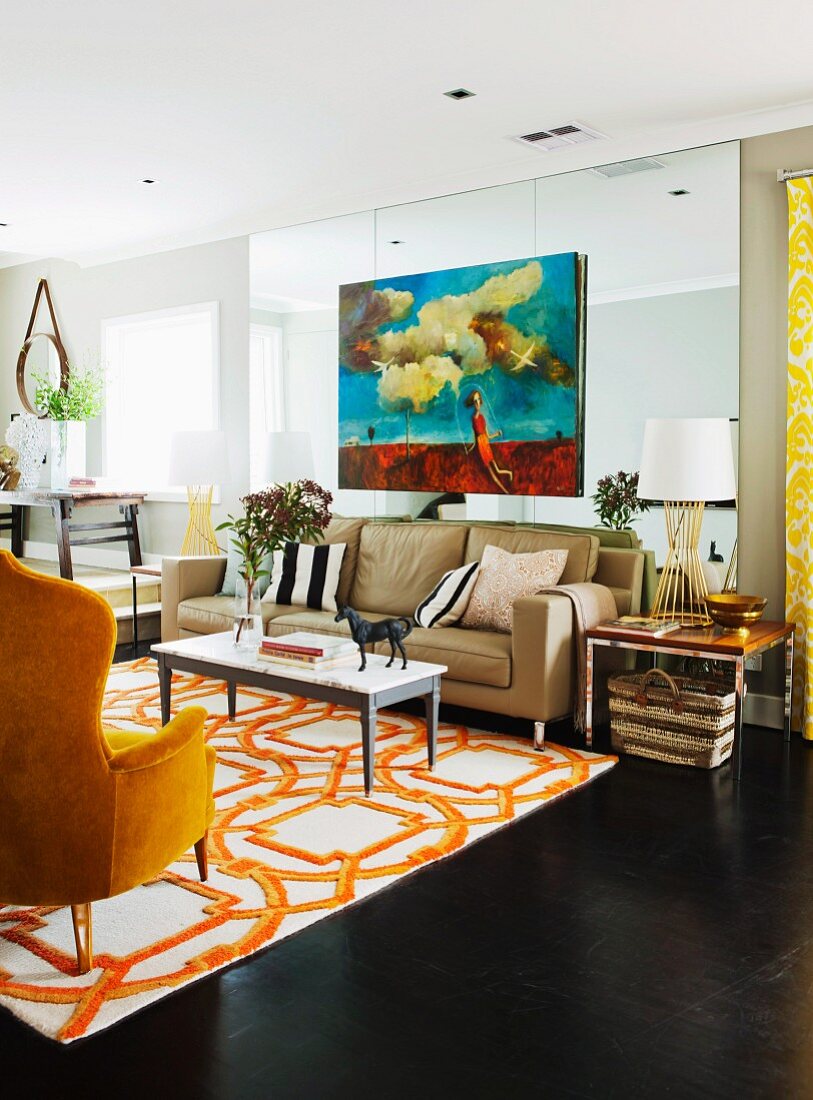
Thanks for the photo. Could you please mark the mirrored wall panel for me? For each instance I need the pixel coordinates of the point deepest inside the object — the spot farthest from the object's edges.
(660, 332)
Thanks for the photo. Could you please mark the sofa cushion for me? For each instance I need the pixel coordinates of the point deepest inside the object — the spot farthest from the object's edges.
(582, 550)
(474, 656)
(233, 563)
(447, 601)
(400, 562)
(504, 578)
(346, 529)
(309, 575)
(212, 614)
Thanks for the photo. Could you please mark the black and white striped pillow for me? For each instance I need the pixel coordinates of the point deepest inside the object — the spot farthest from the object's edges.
(310, 576)
(449, 598)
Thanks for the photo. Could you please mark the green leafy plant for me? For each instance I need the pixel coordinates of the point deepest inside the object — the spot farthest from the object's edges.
(82, 400)
(617, 501)
(281, 513)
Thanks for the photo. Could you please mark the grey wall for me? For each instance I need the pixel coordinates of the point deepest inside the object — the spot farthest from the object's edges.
(83, 297)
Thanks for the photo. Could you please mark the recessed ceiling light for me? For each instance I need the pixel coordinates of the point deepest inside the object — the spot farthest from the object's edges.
(680, 191)
(396, 242)
(148, 181)
(460, 93)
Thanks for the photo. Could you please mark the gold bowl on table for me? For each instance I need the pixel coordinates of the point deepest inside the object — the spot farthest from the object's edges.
(735, 613)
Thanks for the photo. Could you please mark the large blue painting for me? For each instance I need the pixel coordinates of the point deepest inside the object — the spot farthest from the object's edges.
(468, 380)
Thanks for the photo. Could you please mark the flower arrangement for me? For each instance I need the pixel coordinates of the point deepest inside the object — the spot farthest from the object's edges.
(281, 513)
(82, 400)
(617, 501)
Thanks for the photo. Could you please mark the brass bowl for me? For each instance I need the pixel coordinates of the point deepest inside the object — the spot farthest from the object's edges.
(735, 613)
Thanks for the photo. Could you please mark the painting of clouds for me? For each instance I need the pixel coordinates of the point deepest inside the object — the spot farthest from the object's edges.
(467, 380)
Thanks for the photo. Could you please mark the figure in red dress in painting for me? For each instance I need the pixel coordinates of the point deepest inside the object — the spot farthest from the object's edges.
(482, 440)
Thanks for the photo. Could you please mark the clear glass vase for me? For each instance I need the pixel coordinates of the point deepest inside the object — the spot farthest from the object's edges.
(247, 631)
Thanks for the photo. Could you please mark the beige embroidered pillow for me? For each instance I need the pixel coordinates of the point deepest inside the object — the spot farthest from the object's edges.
(505, 577)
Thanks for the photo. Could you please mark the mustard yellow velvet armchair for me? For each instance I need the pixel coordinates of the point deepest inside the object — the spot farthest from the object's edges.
(85, 813)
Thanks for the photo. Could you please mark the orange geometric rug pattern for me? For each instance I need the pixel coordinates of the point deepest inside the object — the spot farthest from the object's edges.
(294, 839)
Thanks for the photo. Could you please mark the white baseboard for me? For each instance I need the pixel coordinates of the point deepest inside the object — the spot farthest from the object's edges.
(85, 555)
(764, 710)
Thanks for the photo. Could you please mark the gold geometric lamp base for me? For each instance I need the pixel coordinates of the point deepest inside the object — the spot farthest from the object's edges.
(200, 538)
(199, 460)
(682, 590)
(685, 463)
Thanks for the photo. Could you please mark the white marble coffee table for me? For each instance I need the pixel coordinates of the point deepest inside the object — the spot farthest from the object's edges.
(215, 655)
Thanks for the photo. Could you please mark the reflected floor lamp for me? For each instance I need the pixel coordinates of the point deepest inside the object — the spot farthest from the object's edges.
(685, 463)
(199, 460)
(288, 457)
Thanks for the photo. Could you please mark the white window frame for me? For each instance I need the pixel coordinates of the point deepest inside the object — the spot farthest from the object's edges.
(134, 320)
(273, 333)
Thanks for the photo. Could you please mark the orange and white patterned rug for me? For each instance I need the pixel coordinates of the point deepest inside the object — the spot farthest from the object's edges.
(294, 839)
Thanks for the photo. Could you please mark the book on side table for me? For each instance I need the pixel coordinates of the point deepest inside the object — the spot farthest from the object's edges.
(640, 624)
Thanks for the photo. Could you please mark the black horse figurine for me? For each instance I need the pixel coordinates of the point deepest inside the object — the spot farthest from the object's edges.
(387, 630)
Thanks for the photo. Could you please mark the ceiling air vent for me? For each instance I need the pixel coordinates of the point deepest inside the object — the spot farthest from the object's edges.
(627, 168)
(560, 137)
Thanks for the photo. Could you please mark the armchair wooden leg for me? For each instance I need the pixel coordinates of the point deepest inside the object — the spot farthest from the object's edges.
(83, 935)
(202, 857)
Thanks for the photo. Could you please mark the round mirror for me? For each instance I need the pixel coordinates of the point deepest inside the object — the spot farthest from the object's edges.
(64, 369)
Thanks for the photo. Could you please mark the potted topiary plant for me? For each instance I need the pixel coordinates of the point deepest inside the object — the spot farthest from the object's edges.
(271, 517)
(68, 410)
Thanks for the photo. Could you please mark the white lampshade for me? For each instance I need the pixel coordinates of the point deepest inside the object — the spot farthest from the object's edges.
(687, 460)
(198, 458)
(288, 457)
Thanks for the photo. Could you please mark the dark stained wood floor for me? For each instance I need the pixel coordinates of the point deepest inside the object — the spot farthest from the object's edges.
(650, 935)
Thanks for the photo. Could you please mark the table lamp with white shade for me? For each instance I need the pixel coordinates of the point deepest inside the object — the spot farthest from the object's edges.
(288, 457)
(685, 463)
(199, 460)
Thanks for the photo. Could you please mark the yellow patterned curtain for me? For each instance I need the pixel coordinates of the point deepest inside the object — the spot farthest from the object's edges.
(799, 472)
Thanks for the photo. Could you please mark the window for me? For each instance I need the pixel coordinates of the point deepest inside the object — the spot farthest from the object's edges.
(266, 396)
(162, 376)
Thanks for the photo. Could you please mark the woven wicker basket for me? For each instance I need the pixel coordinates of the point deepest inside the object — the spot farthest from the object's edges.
(687, 721)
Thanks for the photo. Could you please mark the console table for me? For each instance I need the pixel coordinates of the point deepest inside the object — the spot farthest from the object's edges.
(62, 504)
(712, 643)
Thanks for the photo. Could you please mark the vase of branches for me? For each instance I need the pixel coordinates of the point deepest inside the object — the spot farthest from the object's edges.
(271, 517)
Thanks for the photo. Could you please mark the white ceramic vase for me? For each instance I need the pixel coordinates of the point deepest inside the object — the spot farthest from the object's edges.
(68, 452)
(26, 435)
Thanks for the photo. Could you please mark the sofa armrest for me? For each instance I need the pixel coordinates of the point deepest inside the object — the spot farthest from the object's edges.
(543, 657)
(183, 578)
(622, 570)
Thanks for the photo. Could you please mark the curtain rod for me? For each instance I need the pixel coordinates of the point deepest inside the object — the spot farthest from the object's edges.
(783, 174)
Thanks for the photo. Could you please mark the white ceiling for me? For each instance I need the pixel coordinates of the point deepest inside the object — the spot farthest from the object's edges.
(638, 237)
(256, 113)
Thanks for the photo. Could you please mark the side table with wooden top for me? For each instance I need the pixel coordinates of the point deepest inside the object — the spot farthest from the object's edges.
(62, 504)
(711, 643)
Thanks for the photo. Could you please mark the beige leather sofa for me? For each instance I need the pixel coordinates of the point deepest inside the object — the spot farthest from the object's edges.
(388, 568)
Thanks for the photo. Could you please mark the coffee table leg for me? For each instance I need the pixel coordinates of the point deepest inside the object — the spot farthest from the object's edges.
(368, 723)
(165, 684)
(736, 753)
(432, 703)
(231, 694)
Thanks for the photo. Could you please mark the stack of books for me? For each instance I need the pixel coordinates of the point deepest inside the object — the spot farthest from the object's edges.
(313, 651)
(640, 624)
